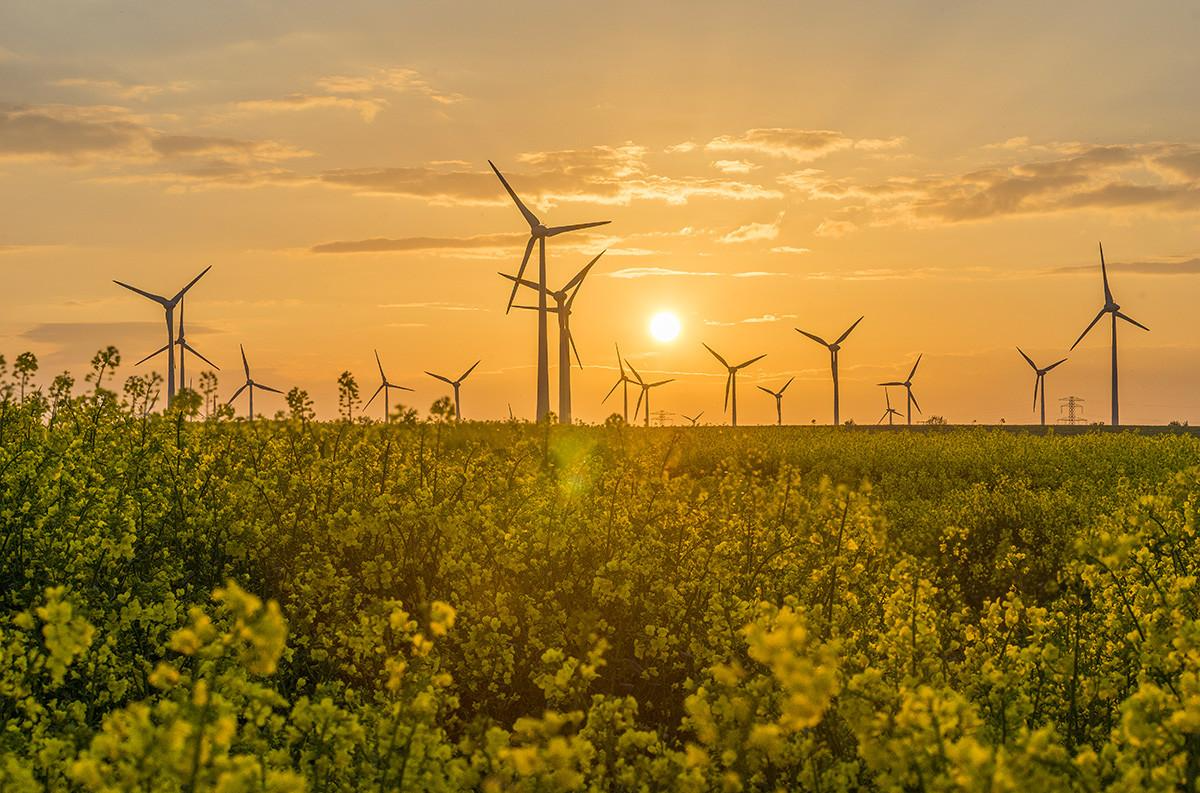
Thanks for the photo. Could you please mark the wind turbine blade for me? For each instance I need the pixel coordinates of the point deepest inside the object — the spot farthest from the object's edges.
(1051, 366)
(611, 390)
(913, 397)
(446, 380)
(400, 387)
(1131, 321)
(554, 231)
(156, 298)
(638, 406)
(268, 388)
(464, 374)
(715, 355)
(549, 309)
(915, 365)
(1104, 274)
(842, 338)
(635, 373)
(379, 363)
(1091, 325)
(192, 350)
(530, 218)
(752, 360)
(191, 283)
(372, 399)
(1037, 381)
(579, 276)
(620, 365)
(893, 382)
(813, 336)
(237, 393)
(574, 349)
(159, 351)
(181, 321)
(521, 281)
(660, 382)
(1028, 360)
(765, 390)
(728, 383)
(785, 386)
(245, 364)
(520, 272)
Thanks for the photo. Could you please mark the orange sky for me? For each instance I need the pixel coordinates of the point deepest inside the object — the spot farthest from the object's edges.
(944, 171)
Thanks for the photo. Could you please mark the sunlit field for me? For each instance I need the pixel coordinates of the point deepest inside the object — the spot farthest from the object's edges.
(216, 604)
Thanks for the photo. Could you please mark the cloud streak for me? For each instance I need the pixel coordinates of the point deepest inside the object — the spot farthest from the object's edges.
(414, 244)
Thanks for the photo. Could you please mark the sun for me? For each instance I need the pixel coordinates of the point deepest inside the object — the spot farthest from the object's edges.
(664, 326)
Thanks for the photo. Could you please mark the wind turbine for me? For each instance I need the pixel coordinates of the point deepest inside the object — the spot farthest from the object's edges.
(455, 385)
(891, 411)
(623, 380)
(833, 362)
(168, 305)
(694, 419)
(645, 392)
(385, 386)
(1110, 307)
(731, 380)
(250, 384)
(564, 299)
(539, 233)
(1039, 381)
(778, 400)
(180, 340)
(907, 383)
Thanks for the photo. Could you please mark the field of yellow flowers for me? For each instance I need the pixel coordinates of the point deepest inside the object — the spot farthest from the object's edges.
(281, 605)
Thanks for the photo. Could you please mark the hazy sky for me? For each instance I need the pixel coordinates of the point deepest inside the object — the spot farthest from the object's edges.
(945, 169)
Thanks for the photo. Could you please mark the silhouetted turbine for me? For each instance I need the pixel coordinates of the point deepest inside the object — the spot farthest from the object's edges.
(1039, 381)
(385, 386)
(539, 232)
(833, 362)
(1110, 307)
(907, 383)
(181, 341)
(455, 384)
(622, 380)
(250, 384)
(645, 392)
(891, 411)
(168, 305)
(564, 299)
(731, 379)
(694, 419)
(778, 400)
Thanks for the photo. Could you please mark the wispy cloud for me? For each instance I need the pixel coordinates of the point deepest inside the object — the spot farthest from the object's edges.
(397, 79)
(139, 92)
(433, 306)
(1174, 266)
(790, 250)
(366, 107)
(412, 244)
(735, 166)
(799, 145)
(753, 232)
(761, 319)
(663, 272)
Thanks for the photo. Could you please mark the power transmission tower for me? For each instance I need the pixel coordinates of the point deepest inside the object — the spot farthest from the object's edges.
(660, 417)
(1074, 407)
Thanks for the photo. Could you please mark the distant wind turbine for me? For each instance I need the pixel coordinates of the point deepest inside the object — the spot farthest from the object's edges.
(645, 392)
(181, 341)
(168, 305)
(250, 384)
(731, 379)
(907, 384)
(455, 384)
(833, 362)
(539, 233)
(891, 411)
(1110, 307)
(623, 380)
(564, 299)
(1039, 381)
(694, 419)
(778, 400)
(385, 386)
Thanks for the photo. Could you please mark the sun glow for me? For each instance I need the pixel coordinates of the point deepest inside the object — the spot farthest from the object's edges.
(664, 326)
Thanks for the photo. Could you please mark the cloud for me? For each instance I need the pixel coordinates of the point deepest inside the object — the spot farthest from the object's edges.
(753, 232)
(790, 249)
(366, 107)
(1175, 266)
(681, 148)
(408, 244)
(140, 92)
(434, 305)
(759, 320)
(796, 144)
(834, 228)
(657, 272)
(735, 166)
(398, 80)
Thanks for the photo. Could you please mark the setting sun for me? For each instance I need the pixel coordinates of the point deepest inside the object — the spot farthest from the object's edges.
(664, 326)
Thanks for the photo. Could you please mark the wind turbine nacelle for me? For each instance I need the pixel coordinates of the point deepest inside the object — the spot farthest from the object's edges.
(834, 347)
(539, 230)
